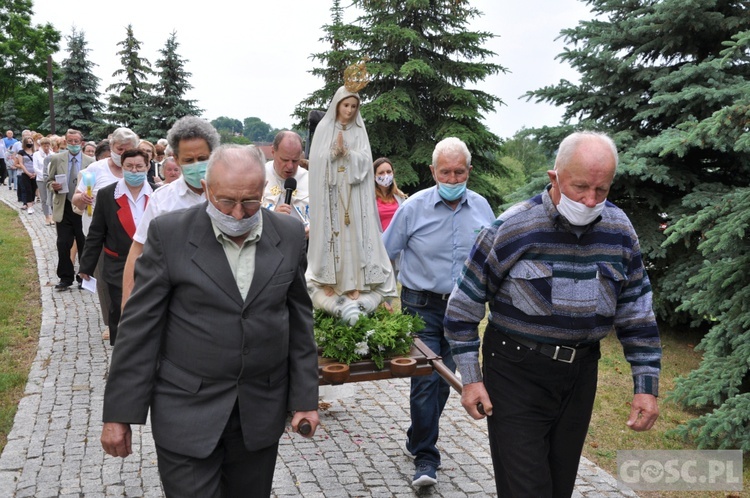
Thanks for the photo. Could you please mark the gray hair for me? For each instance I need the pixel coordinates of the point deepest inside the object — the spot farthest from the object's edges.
(124, 136)
(190, 127)
(570, 144)
(163, 142)
(451, 145)
(233, 154)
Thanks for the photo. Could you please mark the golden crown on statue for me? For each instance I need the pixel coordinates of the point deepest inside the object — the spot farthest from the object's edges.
(356, 76)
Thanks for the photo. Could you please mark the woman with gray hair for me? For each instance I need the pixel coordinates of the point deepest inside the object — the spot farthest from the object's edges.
(98, 175)
(102, 173)
(192, 139)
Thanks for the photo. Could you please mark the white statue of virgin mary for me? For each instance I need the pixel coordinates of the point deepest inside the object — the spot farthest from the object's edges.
(349, 271)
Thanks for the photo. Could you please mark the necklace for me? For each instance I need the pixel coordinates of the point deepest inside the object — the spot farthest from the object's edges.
(348, 204)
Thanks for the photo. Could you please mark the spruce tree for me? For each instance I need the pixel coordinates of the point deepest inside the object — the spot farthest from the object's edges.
(668, 79)
(422, 60)
(168, 102)
(77, 102)
(128, 97)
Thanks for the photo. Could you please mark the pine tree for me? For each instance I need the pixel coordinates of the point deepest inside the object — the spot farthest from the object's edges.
(668, 79)
(128, 97)
(24, 49)
(168, 103)
(422, 59)
(77, 102)
(8, 116)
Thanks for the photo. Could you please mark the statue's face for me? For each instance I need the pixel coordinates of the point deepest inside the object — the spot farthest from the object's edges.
(347, 109)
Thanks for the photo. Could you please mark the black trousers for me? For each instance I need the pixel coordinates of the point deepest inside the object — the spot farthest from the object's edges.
(26, 188)
(115, 309)
(69, 230)
(541, 414)
(230, 471)
(3, 171)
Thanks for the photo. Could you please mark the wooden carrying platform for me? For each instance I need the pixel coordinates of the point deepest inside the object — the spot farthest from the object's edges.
(426, 363)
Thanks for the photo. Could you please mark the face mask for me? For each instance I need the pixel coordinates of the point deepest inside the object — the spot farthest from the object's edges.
(194, 173)
(134, 179)
(229, 225)
(384, 180)
(74, 149)
(451, 192)
(576, 213)
(116, 158)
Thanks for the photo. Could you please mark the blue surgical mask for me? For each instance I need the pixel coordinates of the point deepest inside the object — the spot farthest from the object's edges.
(74, 149)
(134, 179)
(451, 192)
(194, 173)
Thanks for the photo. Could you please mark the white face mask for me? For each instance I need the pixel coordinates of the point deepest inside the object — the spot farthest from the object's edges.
(116, 158)
(384, 180)
(576, 213)
(229, 225)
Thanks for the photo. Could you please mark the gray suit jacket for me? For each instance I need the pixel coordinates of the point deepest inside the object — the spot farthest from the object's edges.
(189, 346)
(58, 165)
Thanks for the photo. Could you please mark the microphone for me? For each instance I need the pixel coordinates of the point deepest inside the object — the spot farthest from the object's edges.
(289, 185)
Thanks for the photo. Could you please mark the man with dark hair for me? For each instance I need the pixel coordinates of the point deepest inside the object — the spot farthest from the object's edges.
(62, 182)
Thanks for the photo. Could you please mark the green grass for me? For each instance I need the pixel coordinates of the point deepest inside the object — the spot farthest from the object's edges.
(20, 314)
(608, 433)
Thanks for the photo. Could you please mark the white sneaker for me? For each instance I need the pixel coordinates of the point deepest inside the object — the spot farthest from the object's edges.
(30, 211)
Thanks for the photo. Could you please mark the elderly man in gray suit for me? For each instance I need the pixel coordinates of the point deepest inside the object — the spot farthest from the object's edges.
(217, 338)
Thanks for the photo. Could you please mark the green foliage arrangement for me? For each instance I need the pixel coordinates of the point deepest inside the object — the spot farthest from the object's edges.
(377, 336)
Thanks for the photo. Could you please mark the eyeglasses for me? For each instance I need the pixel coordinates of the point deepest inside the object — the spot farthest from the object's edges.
(135, 167)
(229, 204)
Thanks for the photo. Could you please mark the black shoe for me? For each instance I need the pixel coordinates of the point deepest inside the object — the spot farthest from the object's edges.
(63, 285)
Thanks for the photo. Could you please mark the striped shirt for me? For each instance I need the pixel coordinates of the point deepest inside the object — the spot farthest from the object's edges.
(547, 284)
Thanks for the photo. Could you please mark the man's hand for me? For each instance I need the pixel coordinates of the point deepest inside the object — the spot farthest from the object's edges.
(311, 417)
(472, 395)
(117, 439)
(56, 186)
(283, 208)
(643, 412)
(81, 200)
(84, 276)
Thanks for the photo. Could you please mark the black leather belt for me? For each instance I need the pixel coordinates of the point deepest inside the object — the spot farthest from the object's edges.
(442, 297)
(565, 354)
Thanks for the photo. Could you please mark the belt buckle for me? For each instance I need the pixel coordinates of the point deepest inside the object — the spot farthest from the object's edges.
(557, 352)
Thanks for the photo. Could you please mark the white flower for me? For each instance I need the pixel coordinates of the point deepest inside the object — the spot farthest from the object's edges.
(369, 334)
(361, 348)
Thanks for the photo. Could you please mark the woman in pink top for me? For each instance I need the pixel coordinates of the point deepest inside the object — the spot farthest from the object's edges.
(388, 196)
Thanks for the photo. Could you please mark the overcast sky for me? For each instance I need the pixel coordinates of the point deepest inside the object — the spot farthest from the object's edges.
(253, 59)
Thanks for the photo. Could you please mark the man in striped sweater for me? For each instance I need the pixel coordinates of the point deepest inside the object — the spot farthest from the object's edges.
(559, 271)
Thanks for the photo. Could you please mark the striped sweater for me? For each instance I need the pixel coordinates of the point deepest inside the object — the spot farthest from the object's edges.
(547, 284)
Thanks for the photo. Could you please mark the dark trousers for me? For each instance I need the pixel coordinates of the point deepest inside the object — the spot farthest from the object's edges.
(115, 304)
(541, 413)
(3, 171)
(26, 188)
(230, 471)
(429, 393)
(69, 230)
